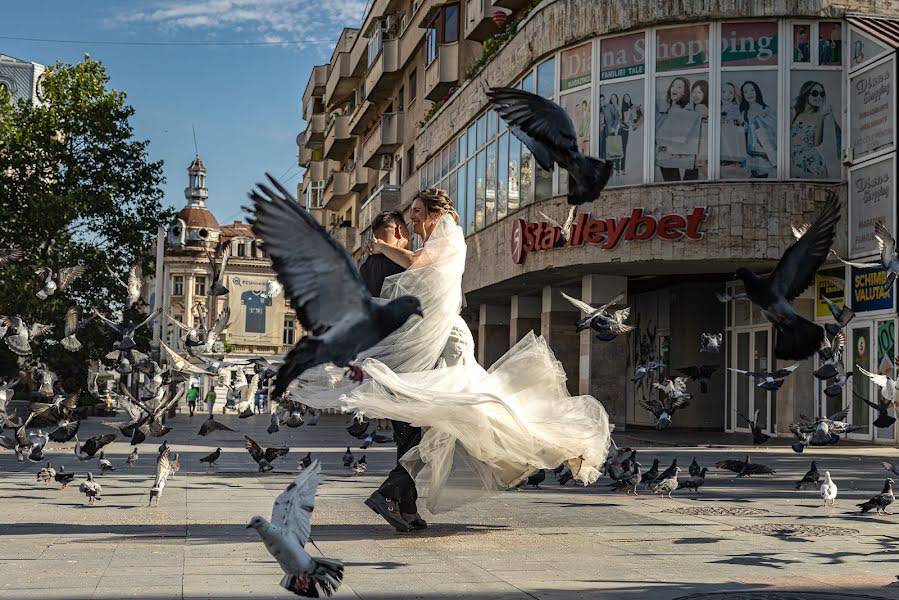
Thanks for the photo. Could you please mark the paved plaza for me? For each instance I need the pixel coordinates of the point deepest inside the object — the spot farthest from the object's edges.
(738, 537)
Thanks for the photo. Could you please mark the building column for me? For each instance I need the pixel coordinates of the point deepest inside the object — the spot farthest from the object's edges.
(603, 365)
(557, 324)
(493, 333)
(524, 317)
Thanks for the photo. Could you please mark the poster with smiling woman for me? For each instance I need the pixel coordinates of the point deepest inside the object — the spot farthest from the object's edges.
(816, 125)
(681, 116)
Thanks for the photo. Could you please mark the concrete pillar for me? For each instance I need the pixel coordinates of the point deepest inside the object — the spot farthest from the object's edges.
(493, 333)
(524, 317)
(603, 365)
(557, 324)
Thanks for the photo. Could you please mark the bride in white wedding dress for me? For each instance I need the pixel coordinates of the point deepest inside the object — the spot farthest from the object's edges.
(484, 429)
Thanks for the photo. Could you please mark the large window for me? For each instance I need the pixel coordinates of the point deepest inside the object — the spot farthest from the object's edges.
(287, 336)
(200, 285)
(621, 114)
(546, 82)
(450, 23)
(432, 38)
(177, 285)
(314, 194)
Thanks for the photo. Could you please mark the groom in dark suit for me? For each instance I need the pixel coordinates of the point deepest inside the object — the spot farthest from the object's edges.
(396, 499)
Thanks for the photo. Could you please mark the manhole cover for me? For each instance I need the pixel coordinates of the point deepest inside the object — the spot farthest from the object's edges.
(794, 530)
(717, 511)
(774, 596)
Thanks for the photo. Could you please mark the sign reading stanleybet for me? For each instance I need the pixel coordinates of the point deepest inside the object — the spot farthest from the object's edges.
(606, 233)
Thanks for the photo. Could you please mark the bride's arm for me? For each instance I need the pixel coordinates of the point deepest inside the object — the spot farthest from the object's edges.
(400, 256)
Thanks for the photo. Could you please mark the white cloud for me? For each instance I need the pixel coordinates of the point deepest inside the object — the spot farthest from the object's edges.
(255, 20)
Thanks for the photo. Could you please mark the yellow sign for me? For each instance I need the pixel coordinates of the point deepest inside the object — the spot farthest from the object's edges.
(825, 287)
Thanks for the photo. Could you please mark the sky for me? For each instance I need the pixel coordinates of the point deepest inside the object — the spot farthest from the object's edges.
(244, 101)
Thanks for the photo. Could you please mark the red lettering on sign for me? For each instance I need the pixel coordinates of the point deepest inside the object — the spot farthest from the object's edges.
(671, 227)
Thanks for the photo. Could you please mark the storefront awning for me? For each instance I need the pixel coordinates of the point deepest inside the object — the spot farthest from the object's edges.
(885, 30)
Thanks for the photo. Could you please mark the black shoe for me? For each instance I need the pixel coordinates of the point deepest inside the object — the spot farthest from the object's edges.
(388, 510)
(415, 520)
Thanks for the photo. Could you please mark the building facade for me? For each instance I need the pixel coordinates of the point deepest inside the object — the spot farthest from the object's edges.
(21, 79)
(727, 123)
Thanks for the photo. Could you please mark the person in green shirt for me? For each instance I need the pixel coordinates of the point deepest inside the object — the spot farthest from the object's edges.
(192, 394)
(210, 400)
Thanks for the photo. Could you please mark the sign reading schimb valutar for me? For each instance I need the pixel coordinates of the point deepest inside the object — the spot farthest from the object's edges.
(606, 233)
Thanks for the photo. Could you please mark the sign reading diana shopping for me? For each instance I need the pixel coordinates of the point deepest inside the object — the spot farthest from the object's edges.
(606, 233)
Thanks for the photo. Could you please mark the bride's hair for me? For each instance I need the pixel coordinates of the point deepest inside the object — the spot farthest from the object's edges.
(438, 201)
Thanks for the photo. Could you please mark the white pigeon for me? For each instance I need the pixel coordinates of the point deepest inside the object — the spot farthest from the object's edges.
(133, 286)
(163, 472)
(105, 464)
(51, 283)
(886, 384)
(829, 490)
(91, 489)
(286, 535)
(273, 289)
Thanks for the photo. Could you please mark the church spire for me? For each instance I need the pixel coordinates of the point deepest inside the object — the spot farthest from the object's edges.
(196, 192)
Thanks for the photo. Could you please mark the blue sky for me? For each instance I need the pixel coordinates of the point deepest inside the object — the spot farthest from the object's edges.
(244, 101)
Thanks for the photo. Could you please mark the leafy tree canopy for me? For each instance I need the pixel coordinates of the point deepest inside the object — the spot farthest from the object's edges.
(75, 188)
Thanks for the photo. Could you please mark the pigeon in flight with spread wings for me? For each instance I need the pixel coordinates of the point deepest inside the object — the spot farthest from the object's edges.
(548, 132)
(796, 337)
(767, 380)
(19, 336)
(181, 365)
(263, 458)
(323, 286)
(218, 272)
(128, 330)
(286, 535)
(888, 386)
(72, 324)
(607, 325)
(758, 436)
(132, 286)
(51, 283)
(889, 257)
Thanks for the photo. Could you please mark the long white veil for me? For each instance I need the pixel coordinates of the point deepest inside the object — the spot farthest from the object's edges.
(485, 429)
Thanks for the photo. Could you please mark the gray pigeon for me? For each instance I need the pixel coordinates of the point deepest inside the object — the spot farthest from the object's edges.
(700, 374)
(133, 286)
(767, 380)
(880, 502)
(132, 458)
(711, 342)
(548, 132)
(830, 354)
(19, 336)
(889, 258)
(218, 271)
(91, 489)
(286, 535)
(323, 286)
(71, 326)
(811, 478)
(842, 316)
(163, 472)
(127, 330)
(607, 324)
(694, 482)
(51, 283)
(666, 486)
(646, 369)
(795, 337)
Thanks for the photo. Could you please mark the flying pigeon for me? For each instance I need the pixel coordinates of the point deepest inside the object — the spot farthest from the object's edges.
(842, 316)
(835, 388)
(181, 365)
(884, 419)
(63, 478)
(38, 441)
(347, 458)
(887, 384)
(19, 335)
(92, 446)
(263, 458)
(10, 255)
(668, 485)
(264, 368)
(880, 502)
(62, 408)
(710, 342)
(726, 297)
(193, 336)
(163, 472)
(891, 468)
(91, 489)
(646, 369)
(273, 289)
(51, 283)
(768, 381)
(218, 271)
(829, 490)
(663, 409)
(133, 286)
(607, 325)
(71, 326)
(132, 458)
(45, 379)
(104, 464)
(126, 331)
(694, 482)
(830, 354)
(811, 478)
(323, 286)
(211, 458)
(700, 374)
(795, 337)
(211, 425)
(247, 396)
(889, 258)
(758, 437)
(548, 132)
(286, 535)
(151, 424)
(821, 431)
(46, 474)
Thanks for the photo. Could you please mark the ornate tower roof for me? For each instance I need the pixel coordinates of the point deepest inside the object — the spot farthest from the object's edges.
(195, 225)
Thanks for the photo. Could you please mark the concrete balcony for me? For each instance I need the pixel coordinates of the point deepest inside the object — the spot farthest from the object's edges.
(443, 73)
(361, 175)
(341, 82)
(362, 117)
(337, 189)
(338, 141)
(346, 236)
(304, 156)
(315, 87)
(478, 23)
(383, 73)
(384, 198)
(320, 170)
(383, 139)
(314, 134)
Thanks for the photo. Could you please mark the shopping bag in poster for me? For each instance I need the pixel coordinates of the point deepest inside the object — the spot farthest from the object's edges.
(733, 143)
(614, 147)
(702, 153)
(768, 145)
(677, 127)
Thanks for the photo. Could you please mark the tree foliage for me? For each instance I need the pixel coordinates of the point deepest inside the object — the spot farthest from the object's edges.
(75, 188)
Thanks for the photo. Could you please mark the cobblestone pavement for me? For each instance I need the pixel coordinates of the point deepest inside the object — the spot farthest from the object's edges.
(740, 539)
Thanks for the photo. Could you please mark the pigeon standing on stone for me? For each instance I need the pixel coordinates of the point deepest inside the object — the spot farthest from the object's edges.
(669, 471)
(711, 342)
(163, 472)
(91, 489)
(811, 478)
(132, 286)
(744, 468)
(307, 460)
(46, 474)
(132, 458)
(275, 424)
(694, 482)
(548, 132)
(880, 502)
(534, 480)
(694, 468)
(104, 464)
(359, 466)
(891, 468)
(668, 485)
(347, 458)
(51, 282)
(211, 458)
(63, 478)
(324, 287)
(650, 476)
(758, 436)
(795, 337)
(286, 535)
(829, 490)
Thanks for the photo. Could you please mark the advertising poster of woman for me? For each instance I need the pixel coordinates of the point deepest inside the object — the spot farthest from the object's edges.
(748, 124)
(681, 109)
(577, 105)
(624, 145)
(815, 125)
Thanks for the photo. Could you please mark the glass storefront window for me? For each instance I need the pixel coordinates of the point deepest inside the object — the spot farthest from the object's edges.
(472, 141)
(621, 123)
(492, 124)
(482, 130)
(502, 177)
(748, 44)
(490, 206)
(802, 45)
(514, 173)
(463, 147)
(682, 48)
(470, 197)
(682, 109)
(480, 189)
(459, 198)
(576, 67)
(546, 78)
(527, 84)
(830, 43)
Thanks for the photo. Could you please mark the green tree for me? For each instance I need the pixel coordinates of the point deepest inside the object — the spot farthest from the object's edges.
(75, 188)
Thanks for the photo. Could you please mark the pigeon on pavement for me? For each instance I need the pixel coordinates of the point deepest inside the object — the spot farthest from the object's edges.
(286, 535)
(534, 480)
(275, 424)
(323, 286)
(104, 464)
(46, 474)
(668, 485)
(132, 458)
(812, 478)
(347, 458)
(880, 502)
(694, 482)
(796, 338)
(548, 132)
(711, 342)
(650, 476)
(63, 478)
(211, 458)
(694, 468)
(163, 472)
(829, 490)
(359, 466)
(91, 489)
(744, 468)
(894, 469)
